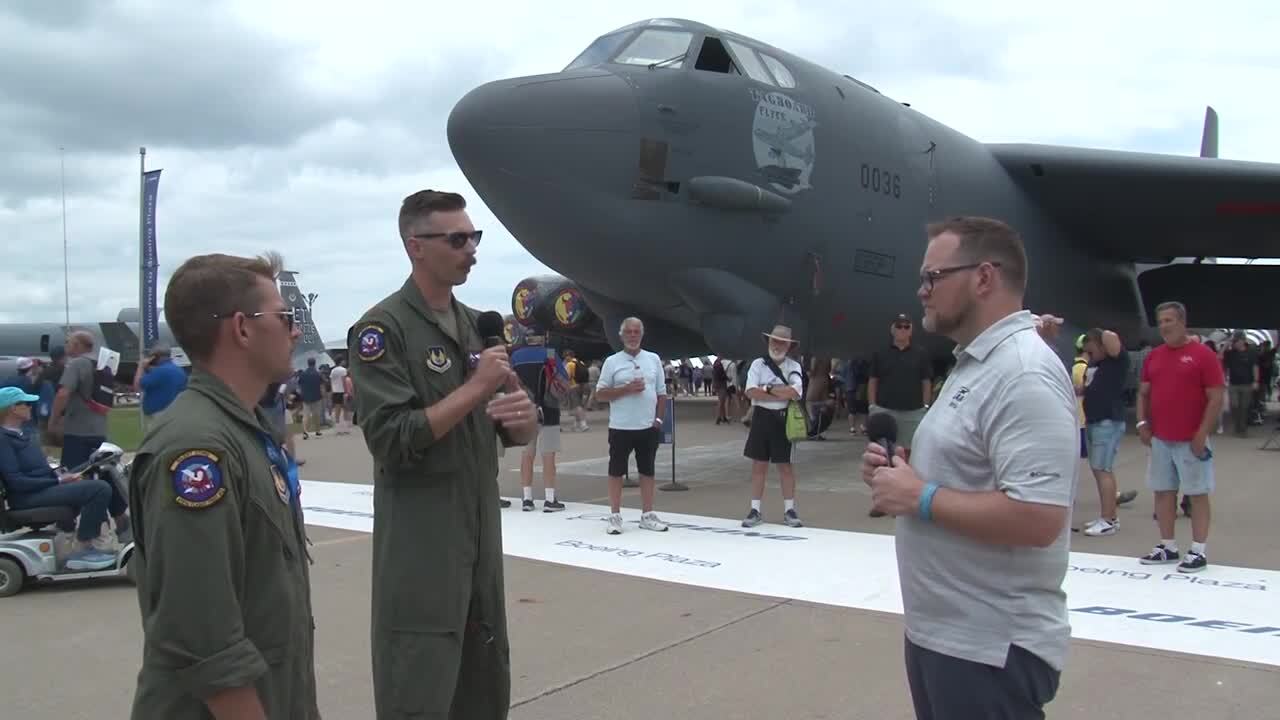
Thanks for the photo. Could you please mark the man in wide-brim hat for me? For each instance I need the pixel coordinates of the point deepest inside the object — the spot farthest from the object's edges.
(773, 381)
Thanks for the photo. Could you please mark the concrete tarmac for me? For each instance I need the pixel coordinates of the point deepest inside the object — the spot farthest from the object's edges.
(590, 644)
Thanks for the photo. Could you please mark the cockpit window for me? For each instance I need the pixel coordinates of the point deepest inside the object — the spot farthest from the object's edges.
(750, 63)
(599, 51)
(780, 71)
(664, 47)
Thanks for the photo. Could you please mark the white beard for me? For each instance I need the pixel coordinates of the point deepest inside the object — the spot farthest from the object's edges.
(777, 357)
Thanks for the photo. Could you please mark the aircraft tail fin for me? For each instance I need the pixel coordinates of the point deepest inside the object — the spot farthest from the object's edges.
(310, 340)
(1209, 139)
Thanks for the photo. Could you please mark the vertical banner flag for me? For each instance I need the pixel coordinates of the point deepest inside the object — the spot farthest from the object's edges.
(150, 316)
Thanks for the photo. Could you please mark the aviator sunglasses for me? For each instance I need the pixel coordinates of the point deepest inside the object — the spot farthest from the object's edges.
(456, 240)
(288, 317)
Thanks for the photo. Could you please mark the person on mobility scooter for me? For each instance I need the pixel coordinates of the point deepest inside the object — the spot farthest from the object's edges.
(31, 483)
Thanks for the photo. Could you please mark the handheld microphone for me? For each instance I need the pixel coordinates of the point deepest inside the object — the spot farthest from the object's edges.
(882, 429)
(490, 326)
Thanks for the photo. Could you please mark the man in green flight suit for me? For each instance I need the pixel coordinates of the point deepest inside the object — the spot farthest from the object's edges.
(425, 394)
(221, 561)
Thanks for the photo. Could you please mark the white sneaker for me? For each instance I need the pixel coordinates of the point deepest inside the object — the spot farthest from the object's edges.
(650, 521)
(1102, 527)
(615, 525)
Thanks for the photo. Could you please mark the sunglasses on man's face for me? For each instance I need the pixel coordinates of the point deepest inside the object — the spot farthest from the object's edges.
(901, 326)
(456, 240)
(288, 317)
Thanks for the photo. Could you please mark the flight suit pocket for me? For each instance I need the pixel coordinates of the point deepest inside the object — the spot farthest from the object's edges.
(421, 671)
(271, 578)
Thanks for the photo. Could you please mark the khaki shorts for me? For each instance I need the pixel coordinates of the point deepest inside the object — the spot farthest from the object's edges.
(547, 441)
(908, 421)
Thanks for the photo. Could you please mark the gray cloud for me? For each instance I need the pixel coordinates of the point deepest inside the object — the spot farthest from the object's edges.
(164, 74)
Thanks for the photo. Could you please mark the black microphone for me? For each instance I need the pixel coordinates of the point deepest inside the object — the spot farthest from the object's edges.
(882, 429)
(490, 325)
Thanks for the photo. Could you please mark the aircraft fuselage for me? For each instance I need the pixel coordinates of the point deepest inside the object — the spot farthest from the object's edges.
(715, 204)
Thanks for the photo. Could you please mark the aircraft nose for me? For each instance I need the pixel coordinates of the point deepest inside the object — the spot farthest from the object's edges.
(536, 127)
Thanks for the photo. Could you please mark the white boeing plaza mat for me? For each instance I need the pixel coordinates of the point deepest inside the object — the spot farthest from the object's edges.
(1224, 612)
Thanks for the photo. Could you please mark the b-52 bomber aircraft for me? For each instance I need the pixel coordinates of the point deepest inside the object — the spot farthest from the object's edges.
(714, 185)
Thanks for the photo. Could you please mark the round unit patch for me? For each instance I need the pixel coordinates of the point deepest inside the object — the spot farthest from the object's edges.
(197, 479)
(373, 342)
(282, 486)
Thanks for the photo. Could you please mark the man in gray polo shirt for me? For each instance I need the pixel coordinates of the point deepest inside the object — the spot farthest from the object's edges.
(984, 506)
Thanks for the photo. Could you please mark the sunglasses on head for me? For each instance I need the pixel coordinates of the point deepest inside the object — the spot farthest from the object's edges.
(456, 240)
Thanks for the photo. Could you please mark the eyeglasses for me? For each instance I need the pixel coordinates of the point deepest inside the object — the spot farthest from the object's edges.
(456, 239)
(288, 317)
(902, 326)
(929, 277)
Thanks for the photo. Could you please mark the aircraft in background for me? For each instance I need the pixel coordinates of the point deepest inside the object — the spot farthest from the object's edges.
(714, 185)
(35, 340)
(550, 311)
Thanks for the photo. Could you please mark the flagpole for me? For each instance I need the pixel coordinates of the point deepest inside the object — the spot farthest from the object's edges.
(66, 275)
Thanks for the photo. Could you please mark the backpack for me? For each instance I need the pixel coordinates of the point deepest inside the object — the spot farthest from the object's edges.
(99, 396)
(102, 397)
(580, 376)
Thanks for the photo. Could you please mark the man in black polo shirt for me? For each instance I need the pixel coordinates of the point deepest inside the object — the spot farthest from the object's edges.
(1241, 362)
(901, 384)
(1104, 414)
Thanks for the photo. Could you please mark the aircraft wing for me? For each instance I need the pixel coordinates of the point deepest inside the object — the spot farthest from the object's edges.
(1152, 208)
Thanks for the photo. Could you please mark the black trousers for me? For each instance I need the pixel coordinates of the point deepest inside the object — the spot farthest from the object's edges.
(948, 688)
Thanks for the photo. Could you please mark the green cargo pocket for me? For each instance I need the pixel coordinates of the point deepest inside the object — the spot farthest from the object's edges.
(421, 670)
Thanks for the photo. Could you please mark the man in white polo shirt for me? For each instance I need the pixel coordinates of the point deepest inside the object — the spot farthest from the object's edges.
(634, 384)
(984, 505)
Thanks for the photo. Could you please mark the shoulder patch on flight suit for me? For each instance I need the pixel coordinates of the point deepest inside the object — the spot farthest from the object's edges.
(437, 359)
(373, 342)
(197, 479)
(282, 485)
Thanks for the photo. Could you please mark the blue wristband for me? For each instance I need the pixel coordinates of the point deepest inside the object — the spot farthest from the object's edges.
(926, 501)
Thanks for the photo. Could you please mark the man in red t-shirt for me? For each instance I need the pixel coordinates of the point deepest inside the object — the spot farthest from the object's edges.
(1179, 402)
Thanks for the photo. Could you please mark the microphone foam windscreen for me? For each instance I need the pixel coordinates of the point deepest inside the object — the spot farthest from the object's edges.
(882, 426)
(490, 324)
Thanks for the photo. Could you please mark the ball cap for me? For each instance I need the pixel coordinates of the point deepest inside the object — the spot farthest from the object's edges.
(11, 396)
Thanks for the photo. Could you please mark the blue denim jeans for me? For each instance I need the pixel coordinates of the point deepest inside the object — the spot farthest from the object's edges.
(77, 449)
(93, 499)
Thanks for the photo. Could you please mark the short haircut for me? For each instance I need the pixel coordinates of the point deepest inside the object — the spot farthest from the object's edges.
(630, 320)
(1094, 335)
(84, 338)
(1177, 307)
(988, 240)
(421, 204)
(206, 286)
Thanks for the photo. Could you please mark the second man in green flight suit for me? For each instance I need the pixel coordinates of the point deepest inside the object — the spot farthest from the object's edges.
(428, 397)
(224, 586)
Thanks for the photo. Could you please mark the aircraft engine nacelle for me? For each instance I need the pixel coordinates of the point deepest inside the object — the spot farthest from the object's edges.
(550, 303)
(513, 332)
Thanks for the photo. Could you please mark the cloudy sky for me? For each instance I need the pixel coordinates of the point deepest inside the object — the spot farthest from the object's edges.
(300, 126)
